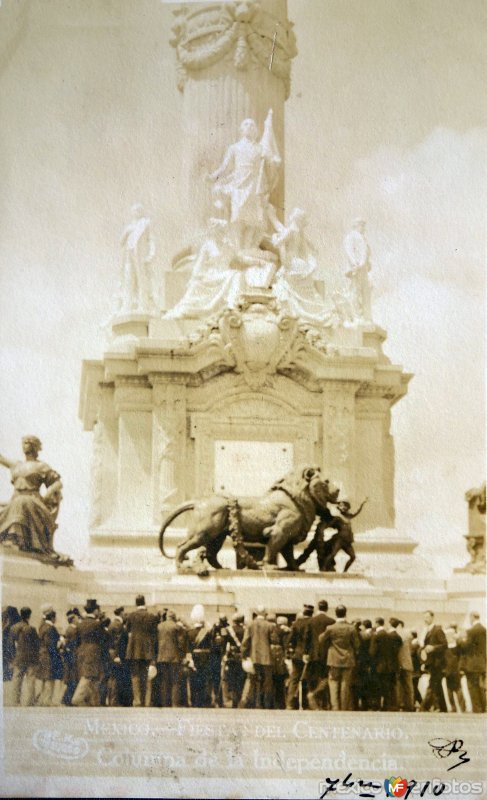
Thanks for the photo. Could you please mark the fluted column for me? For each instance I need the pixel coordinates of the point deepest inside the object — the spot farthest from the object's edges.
(233, 62)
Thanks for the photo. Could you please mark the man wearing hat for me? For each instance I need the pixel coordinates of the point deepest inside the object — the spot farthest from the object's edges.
(70, 673)
(141, 650)
(198, 658)
(233, 675)
(298, 645)
(90, 640)
(50, 667)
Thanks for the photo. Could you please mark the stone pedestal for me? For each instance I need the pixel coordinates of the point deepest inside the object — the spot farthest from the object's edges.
(179, 408)
(475, 539)
(27, 582)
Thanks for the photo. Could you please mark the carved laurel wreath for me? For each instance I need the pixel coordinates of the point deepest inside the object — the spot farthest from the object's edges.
(249, 33)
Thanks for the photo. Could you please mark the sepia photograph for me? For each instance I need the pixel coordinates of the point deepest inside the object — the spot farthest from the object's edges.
(242, 451)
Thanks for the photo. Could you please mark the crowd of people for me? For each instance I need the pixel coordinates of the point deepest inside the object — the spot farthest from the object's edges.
(316, 661)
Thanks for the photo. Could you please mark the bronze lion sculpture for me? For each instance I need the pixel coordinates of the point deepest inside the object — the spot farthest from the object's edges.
(279, 519)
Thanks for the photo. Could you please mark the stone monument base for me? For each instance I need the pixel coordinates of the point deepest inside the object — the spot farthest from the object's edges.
(27, 582)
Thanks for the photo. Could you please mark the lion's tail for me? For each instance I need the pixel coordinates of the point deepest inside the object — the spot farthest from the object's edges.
(180, 510)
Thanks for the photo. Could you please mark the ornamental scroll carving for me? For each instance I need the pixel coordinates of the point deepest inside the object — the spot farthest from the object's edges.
(168, 431)
(259, 340)
(240, 30)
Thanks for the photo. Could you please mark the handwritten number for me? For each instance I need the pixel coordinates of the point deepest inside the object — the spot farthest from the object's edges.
(411, 785)
(331, 787)
(368, 785)
(441, 789)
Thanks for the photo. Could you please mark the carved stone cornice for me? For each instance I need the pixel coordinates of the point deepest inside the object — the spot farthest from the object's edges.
(168, 378)
(132, 393)
(132, 381)
(377, 391)
(243, 31)
(302, 377)
(208, 373)
(345, 388)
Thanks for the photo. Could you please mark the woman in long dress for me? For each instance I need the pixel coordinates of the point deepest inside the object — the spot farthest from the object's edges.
(29, 519)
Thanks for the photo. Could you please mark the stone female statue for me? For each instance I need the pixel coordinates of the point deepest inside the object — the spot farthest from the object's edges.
(29, 519)
(295, 285)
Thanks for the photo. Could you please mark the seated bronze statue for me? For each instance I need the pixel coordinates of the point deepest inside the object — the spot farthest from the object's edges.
(28, 521)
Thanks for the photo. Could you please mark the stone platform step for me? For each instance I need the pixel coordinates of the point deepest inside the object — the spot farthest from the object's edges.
(27, 582)
(101, 752)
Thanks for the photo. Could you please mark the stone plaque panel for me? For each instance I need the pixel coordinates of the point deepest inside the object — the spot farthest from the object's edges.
(245, 467)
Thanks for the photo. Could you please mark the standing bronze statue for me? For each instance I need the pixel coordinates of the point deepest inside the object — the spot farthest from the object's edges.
(28, 521)
(341, 540)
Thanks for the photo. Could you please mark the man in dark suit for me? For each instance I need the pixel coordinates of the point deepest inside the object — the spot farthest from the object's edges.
(233, 675)
(366, 684)
(317, 669)
(198, 658)
(69, 655)
(298, 646)
(433, 655)
(119, 684)
(340, 642)
(25, 660)
(141, 650)
(257, 644)
(404, 686)
(90, 640)
(50, 667)
(171, 652)
(474, 662)
(384, 650)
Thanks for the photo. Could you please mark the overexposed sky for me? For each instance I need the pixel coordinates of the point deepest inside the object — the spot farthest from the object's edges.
(386, 120)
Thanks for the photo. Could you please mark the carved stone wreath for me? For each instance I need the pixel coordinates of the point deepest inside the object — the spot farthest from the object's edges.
(203, 37)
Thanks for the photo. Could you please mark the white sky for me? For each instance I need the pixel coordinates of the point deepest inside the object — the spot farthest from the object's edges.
(386, 119)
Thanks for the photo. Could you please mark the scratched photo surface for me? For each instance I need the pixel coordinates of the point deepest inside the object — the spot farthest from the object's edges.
(383, 123)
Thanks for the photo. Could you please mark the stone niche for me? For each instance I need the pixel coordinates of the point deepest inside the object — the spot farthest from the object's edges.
(181, 412)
